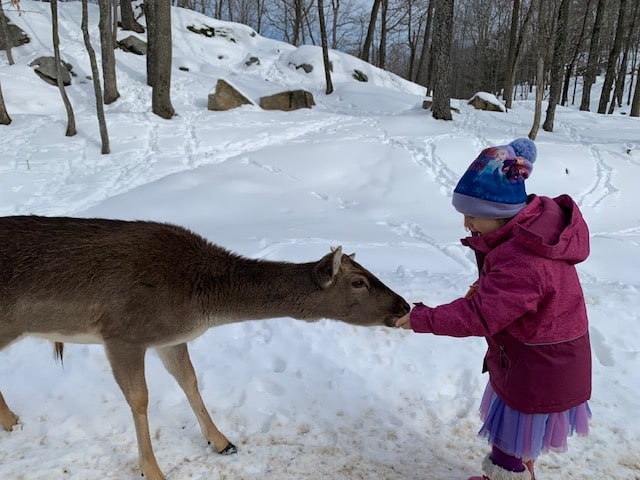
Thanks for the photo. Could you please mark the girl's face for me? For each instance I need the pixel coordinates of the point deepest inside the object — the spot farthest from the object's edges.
(483, 226)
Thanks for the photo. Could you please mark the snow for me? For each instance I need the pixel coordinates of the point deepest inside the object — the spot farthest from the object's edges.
(367, 168)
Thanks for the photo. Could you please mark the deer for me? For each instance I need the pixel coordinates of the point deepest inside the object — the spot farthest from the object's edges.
(134, 285)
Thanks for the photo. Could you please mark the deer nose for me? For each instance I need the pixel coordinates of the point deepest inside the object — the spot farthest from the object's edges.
(403, 307)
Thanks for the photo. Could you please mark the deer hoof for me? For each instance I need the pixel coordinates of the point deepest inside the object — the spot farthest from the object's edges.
(230, 449)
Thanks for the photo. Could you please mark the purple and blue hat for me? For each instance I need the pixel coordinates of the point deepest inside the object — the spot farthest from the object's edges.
(493, 185)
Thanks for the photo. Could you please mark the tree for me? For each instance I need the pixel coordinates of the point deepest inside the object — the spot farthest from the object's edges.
(325, 48)
(557, 63)
(104, 136)
(5, 119)
(614, 53)
(368, 41)
(443, 24)
(71, 121)
(622, 70)
(127, 20)
(111, 93)
(421, 70)
(382, 49)
(590, 72)
(541, 43)
(635, 104)
(297, 24)
(4, 35)
(159, 50)
(516, 40)
(572, 62)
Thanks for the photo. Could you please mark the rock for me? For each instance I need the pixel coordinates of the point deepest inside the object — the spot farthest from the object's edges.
(287, 101)
(226, 97)
(46, 69)
(358, 75)
(133, 44)
(486, 101)
(16, 37)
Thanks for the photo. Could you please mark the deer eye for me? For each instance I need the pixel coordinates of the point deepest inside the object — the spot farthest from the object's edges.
(359, 284)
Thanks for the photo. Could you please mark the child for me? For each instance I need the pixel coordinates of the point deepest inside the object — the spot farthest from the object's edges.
(528, 304)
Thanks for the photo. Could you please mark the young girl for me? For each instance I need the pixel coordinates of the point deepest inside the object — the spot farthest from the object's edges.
(528, 304)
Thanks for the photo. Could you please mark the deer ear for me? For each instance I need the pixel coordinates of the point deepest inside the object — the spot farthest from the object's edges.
(327, 268)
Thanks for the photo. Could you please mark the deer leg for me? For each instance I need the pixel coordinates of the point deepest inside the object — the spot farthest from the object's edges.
(127, 364)
(7, 418)
(176, 360)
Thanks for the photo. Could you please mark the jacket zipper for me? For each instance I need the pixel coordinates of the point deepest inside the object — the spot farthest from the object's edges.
(503, 357)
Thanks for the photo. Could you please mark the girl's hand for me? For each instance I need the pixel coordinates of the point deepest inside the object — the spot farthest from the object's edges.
(404, 322)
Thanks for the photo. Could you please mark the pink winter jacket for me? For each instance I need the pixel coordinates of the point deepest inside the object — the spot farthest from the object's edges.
(530, 307)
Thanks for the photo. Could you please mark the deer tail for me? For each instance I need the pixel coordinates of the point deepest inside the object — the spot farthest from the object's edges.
(59, 352)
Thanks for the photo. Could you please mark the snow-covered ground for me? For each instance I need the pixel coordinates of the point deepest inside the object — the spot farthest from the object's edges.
(368, 169)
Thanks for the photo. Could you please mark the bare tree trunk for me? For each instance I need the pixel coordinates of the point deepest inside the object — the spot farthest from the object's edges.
(335, 9)
(71, 121)
(382, 50)
(423, 62)
(533, 133)
(614, 53)
(104, 136)
(111, 93)
(443, 24)
(589, 76)
(574, 57)
(368, 41)
(635, 104)
(297, 24)
(618, 93)
(114, 24)
(5, 119)
(557, 63)
(512, 69)
(325, 48)
(507, 94)
(4, 35)
(161, 94)
(127, 20)
(150, 15)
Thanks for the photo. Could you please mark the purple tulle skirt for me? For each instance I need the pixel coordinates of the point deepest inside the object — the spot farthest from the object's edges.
(526, 435)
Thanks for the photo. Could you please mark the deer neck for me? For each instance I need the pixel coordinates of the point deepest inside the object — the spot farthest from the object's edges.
(258, 289)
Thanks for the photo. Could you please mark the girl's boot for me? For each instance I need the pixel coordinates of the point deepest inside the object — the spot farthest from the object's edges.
(497, 472)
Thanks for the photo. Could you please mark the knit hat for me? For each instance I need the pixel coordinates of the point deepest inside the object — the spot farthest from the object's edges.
(493, 185)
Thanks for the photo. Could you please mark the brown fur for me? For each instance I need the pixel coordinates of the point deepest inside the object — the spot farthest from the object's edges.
(135, 285)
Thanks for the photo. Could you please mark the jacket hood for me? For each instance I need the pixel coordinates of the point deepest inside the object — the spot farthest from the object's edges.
(548, 227)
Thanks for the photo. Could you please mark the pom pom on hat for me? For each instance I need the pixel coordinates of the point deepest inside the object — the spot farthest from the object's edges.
(493, 185)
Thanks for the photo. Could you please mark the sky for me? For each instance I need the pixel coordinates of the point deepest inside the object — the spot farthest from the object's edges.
(366, 168)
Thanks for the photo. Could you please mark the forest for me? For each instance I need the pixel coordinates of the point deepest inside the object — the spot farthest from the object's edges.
(454, 48)
(497, 46)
